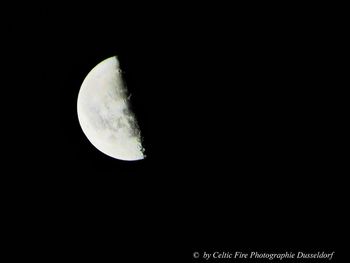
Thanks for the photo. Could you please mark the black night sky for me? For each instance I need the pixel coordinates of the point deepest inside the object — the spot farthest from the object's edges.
(234, 113)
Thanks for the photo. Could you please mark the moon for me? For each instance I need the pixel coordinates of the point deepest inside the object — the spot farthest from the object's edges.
(105, 115)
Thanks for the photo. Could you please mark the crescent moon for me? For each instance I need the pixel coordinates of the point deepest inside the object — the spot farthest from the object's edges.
(104, 113)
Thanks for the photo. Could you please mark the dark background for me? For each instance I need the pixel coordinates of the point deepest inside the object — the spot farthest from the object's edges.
(236, 114)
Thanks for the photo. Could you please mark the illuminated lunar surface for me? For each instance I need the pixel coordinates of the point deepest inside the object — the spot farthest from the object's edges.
(104, 113)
